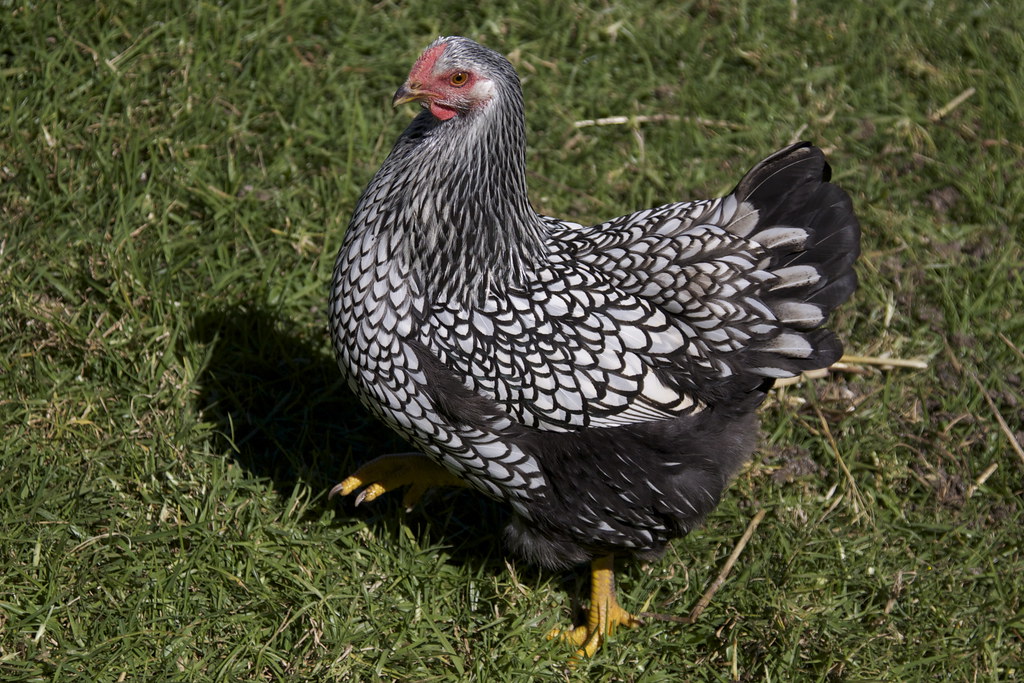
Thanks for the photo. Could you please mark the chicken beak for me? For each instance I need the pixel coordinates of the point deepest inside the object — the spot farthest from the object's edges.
(407, 93)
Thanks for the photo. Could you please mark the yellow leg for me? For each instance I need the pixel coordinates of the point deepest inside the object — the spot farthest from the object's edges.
(604, 615)
(390, 472)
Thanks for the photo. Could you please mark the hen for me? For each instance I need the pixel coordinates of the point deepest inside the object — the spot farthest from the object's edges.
(602, 381)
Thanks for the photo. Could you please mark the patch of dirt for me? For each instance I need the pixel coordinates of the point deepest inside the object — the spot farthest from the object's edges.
(943, 200)
(962, 340)
(865, 130)
(792, 462)
(949, 489)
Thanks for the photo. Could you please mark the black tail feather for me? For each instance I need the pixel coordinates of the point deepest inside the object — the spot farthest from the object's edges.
(790, 191)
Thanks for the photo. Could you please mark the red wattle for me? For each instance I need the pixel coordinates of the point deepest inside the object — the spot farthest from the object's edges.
(441, 112)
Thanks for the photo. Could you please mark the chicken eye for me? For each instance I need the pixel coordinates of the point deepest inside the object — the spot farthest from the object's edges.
(459, 79)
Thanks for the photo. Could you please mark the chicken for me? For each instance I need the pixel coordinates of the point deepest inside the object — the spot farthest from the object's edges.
(601, 381)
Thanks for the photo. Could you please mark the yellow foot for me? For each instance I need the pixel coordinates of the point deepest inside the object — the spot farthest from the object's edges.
(391, 472)
(604, 614)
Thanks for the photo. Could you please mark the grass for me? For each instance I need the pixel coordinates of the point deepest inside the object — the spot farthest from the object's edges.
(175, 179)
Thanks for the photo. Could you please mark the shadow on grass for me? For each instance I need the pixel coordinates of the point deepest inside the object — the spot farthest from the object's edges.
(279, 405)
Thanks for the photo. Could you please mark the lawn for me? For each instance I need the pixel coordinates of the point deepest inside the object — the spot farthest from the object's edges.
(175, 180)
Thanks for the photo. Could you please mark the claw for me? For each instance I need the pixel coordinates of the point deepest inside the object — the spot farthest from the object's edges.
(391, 472)
(370, 493)
(346, 487)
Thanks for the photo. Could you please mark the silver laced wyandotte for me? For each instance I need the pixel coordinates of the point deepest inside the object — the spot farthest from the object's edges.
(601, 381)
